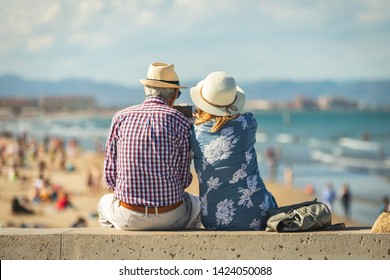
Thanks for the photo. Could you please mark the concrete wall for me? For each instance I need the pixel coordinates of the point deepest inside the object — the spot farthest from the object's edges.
(111, 244)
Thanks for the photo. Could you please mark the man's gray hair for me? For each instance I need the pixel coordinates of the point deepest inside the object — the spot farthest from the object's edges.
(165, 93)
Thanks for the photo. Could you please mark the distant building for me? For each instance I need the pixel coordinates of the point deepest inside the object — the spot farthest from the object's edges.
(11, 107)
(17, 106)
(51, 104)
(337, 103)
(303, 103)
(259, 105)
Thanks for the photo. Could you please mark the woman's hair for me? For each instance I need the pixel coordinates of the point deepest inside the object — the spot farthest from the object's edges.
(165, 93)
(203, 117)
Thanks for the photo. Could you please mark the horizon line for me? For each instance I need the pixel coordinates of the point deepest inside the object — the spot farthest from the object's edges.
(254, 80)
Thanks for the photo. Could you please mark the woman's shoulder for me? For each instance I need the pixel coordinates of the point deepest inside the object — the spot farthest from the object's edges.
(246, 120)
(248, 115)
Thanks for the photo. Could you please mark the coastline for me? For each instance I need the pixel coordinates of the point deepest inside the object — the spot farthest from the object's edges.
(84, 198)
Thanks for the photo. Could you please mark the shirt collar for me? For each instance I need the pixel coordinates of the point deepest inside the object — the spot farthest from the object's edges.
(155, 99)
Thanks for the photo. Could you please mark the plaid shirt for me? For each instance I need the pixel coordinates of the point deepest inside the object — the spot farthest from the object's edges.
(147, 158)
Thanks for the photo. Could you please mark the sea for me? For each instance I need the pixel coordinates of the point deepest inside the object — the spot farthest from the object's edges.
(340, 147)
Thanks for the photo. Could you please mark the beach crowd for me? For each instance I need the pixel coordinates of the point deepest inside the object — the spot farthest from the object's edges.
(28, 171)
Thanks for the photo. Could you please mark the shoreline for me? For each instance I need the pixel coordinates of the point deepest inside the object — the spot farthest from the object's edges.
(84, 197)
(66, 115)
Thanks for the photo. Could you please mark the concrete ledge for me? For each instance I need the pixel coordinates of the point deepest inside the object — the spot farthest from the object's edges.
(111, 244)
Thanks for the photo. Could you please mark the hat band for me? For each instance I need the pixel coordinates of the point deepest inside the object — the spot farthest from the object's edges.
(227, 107)
(169, 82)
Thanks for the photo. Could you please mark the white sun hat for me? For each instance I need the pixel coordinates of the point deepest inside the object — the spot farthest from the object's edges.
(218, 95)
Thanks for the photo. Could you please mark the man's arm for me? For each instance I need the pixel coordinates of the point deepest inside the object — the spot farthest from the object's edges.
(111, 155)
(186, 175)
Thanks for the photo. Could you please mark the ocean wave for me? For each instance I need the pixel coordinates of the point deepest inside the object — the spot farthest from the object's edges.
(261, 137)
(359, 144)
(351, 162)
(285, 138)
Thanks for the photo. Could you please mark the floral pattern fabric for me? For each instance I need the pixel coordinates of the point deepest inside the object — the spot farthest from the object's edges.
(233, 195)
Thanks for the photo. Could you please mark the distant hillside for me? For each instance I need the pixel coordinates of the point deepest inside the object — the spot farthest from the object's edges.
(106, 94)
(369, 92)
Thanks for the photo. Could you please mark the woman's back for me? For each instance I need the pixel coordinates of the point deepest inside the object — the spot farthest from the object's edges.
(233, 195)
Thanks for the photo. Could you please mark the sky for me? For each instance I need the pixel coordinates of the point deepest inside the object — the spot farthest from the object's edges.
(115, 41)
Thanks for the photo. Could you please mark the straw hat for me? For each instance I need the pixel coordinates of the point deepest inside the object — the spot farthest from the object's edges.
(161, 75)
(218, 95)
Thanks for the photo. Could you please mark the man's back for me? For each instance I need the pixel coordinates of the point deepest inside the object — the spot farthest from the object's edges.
(151, 162)
(147, 161)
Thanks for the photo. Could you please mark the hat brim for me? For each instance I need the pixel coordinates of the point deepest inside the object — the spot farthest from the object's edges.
(217, 111)
(154, 83)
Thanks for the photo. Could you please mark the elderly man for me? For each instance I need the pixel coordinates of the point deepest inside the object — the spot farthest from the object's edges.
(147, 161)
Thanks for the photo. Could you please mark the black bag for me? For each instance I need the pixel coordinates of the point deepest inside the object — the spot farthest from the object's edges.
(305, 216)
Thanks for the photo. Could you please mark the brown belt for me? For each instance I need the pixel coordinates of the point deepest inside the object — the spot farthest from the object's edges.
(150, 210)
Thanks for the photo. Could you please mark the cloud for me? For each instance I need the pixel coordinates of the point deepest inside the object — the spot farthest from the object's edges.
(293, 11)
(6, 46)
(51, 13)
(375, 11)
(231, 34)
(89, 40)
(86, 11)
(40, 43)
(146, 18)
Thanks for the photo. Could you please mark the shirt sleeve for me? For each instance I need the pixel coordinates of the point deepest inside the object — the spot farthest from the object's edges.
(186, 175)
(110, 158)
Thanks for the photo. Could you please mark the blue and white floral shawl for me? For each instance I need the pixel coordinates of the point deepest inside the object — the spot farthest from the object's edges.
(233, 195)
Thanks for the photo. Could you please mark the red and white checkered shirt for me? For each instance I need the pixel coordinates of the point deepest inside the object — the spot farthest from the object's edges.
(147, 158)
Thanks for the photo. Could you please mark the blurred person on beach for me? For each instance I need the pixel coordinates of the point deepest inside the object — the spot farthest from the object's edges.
(329, 195)
(13, 172)
(288, 175)
(41, 168)
(63, 201)
(345, 198)
(73, 149)
(232, 193)
(79, 223)
(3, 161)
(309, 189)
(94, 179)
(57, 153)
(38, 185)
(272, 156)
(147, 161)
(21, 205)
(20, 150)
(386, 204)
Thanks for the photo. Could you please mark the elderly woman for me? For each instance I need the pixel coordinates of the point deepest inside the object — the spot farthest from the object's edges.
(233, 195)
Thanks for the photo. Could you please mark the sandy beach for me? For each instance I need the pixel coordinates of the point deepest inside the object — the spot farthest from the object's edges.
(72, 178)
